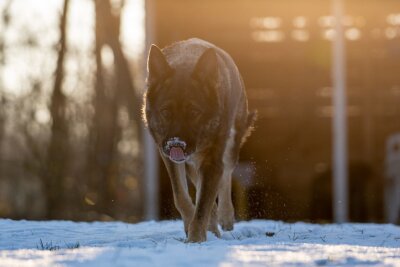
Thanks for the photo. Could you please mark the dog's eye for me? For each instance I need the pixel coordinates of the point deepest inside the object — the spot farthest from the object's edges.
(194, 112)
(165, 113)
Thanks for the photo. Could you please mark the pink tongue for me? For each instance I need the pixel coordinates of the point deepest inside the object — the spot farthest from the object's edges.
(176, 153)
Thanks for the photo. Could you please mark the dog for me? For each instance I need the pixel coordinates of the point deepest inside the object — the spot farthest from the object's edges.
(195, 108)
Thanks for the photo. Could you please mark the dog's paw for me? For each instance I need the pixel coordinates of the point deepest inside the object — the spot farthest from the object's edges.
(197, 238)
(196, 234)
(214, 229)
(226, 216)
(227, 223)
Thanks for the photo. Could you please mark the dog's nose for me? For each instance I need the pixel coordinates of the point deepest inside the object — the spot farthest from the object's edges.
(174, 142)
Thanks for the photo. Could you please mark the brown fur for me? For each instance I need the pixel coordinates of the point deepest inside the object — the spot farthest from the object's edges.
(196, 95)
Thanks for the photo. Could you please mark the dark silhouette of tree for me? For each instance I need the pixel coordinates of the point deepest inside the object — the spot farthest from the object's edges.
(57, 151)
(113, 89)
(5, 19)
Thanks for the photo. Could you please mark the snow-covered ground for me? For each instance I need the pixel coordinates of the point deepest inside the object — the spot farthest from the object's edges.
(254, 243)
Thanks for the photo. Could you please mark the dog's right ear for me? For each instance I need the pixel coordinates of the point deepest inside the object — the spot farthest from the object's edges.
(206, 69)
(157, 65)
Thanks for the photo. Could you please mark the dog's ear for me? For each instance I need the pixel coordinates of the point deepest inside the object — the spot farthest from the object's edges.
(157, 65)
(206, 69)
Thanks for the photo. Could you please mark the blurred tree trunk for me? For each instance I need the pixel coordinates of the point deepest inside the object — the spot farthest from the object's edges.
(57, 152)
(112, 90)
(109, 23)
(5, 18)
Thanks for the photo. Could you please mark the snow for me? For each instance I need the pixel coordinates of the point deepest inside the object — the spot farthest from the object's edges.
(253, 243)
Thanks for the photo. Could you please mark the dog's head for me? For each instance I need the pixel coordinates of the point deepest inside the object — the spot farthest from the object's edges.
(181, 103)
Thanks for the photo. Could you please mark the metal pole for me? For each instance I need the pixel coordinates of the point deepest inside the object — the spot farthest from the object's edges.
(151, 157)
(339, 122)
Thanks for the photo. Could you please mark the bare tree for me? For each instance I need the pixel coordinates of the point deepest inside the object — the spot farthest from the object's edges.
(113, 89)
(57, 151)
(5, 19)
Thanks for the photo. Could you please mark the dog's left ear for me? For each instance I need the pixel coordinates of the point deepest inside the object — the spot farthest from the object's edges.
(206, 69)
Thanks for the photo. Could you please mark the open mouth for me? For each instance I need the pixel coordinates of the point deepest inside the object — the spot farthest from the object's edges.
(176, 150)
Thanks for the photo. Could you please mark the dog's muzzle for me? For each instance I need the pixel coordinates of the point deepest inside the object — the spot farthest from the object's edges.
(175, 149)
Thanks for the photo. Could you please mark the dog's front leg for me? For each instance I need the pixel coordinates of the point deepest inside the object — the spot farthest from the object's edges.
(226, 215)
(182, 200)
(211, 172)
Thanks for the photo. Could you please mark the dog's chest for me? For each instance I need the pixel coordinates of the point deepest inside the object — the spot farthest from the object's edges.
(196, 158)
